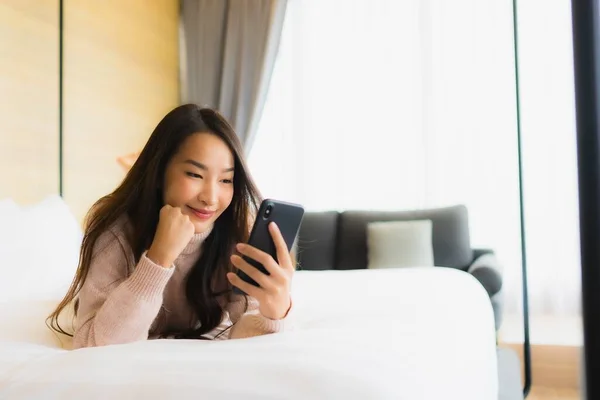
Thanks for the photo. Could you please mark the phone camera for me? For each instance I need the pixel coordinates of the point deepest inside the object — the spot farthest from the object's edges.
(268, 211)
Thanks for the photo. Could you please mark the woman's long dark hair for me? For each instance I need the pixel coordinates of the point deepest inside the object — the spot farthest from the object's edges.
(139, 198)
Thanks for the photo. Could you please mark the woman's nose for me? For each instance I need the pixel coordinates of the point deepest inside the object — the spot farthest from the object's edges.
(208, 194)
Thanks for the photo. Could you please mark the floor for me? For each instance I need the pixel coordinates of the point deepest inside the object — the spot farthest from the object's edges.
(555, 371)
(542, 393)
(556, 343)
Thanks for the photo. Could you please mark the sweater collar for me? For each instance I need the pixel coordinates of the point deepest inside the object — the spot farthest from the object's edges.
(195, 243)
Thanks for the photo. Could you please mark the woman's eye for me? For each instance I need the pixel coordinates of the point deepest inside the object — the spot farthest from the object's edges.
(193, 175)
(228, 181)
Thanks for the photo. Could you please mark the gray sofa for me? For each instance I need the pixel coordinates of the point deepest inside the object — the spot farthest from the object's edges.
(331, 240)
(338, 240)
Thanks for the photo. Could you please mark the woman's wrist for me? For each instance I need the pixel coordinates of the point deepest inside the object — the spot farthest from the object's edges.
(280, 317)
(158, 258)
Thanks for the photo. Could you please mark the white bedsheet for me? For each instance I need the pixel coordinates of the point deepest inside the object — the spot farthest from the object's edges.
(411, 333)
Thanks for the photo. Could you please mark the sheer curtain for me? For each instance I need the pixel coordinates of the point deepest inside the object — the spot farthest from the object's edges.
(404, 104)
(549, 147)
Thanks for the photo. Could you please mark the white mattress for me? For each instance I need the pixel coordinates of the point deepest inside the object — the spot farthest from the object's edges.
(411, 333)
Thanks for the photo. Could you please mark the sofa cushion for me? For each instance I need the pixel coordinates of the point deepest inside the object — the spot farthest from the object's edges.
(316, 242)
(450, 235)
(397, 244)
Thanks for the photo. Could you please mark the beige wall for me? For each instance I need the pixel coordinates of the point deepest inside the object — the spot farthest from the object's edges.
(120, 77)
(28, 99)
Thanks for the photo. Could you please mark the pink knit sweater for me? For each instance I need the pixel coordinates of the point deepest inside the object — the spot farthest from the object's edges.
(120, 304)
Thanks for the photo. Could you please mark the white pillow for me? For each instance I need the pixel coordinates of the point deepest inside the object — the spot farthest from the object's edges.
(10, 212)
(396, 244)
(25, 321)
(40, 251)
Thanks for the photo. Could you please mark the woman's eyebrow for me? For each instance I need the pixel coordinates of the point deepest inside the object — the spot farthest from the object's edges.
(204, 167)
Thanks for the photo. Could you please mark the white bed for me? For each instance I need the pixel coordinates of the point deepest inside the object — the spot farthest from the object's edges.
(411, 333)
(418, 333)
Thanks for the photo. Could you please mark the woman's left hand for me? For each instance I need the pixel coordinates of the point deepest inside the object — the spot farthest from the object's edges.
(273, 293)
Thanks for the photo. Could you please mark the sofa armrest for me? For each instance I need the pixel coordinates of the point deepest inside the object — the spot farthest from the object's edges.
(487, 270)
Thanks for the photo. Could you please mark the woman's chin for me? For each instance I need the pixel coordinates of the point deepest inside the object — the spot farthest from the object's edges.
(202, 227)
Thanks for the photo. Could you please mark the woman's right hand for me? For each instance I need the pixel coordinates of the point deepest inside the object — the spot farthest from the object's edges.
(174, 232)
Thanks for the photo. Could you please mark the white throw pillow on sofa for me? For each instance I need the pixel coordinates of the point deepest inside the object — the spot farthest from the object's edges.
(397, 244)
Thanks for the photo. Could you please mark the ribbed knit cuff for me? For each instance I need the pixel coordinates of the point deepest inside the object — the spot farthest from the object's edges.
(275, 325)
(149, 280)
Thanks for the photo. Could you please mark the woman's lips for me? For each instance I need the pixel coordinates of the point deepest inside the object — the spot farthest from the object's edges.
(202, 214)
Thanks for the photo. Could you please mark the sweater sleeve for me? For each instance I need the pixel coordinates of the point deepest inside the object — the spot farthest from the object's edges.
(252, 323)
(114, 308)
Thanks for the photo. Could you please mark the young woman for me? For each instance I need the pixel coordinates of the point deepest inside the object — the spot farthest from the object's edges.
(159, 253)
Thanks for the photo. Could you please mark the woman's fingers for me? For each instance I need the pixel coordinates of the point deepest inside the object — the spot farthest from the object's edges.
(284, 259)
(283, 255)
(273, 293)
(246, 287)
(259, 256)
(251, 271)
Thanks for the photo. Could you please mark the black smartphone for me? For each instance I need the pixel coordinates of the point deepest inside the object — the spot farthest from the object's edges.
(287, 216)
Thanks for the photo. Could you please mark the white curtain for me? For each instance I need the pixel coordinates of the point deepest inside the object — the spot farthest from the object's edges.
(404, 104)
(549, 147)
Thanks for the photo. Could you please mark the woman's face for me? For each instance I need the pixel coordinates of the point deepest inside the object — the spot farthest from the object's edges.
(199, 179)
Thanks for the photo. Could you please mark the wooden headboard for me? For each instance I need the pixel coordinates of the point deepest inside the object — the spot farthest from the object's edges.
(120, 76)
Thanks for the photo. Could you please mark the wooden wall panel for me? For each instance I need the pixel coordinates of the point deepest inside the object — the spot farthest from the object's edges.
(28, 99)
(121, 71)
